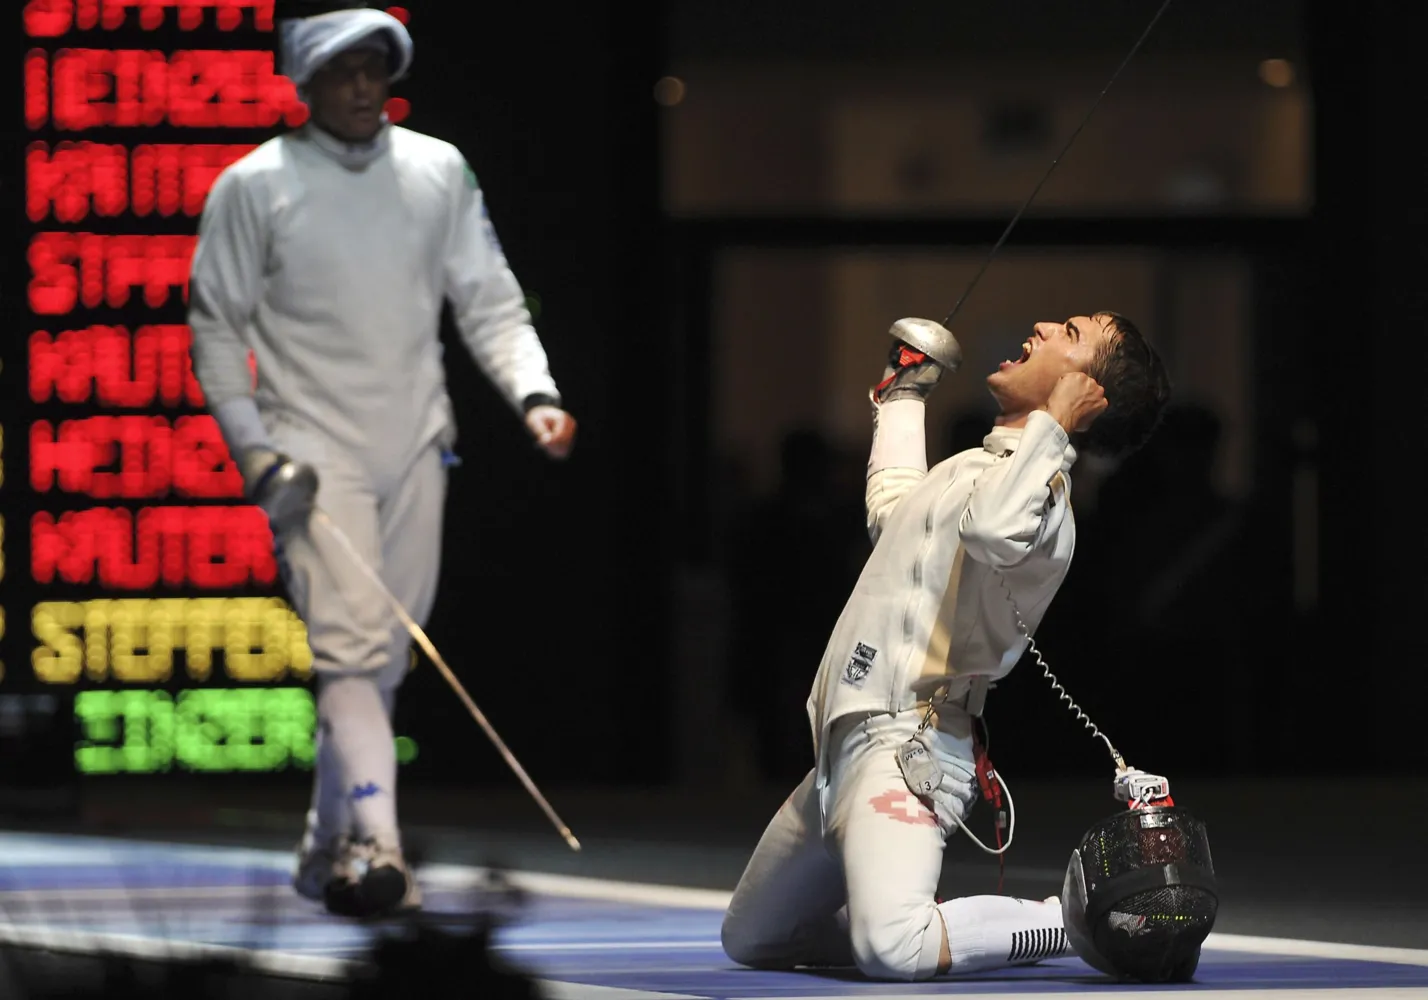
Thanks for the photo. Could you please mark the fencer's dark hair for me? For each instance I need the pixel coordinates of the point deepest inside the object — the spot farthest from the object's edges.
(1137, 390)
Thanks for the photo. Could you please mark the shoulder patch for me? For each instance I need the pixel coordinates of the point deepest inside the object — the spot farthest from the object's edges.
(470, 174)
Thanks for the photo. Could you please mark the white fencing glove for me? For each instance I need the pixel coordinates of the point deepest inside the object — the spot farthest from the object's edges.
(958, 791)
(952, 786)
(909, 374)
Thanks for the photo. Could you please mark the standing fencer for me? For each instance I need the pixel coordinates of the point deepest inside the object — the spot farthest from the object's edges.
(847, 871)
(328, 252)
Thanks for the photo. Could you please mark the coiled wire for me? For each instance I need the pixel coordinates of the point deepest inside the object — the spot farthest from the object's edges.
(1056, 686)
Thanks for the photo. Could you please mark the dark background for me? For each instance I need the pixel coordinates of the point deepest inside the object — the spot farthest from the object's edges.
(559, 601)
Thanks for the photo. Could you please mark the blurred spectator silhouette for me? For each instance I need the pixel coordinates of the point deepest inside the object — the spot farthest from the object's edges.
(410, 957)
(793, 558)
(1157, 600)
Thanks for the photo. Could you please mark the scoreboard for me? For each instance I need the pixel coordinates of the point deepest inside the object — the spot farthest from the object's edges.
(142, 626)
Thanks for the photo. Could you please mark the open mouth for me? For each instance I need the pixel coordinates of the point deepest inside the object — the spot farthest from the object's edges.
(1026, 350)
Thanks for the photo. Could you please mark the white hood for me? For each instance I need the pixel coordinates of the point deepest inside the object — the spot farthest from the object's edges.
(310, 42)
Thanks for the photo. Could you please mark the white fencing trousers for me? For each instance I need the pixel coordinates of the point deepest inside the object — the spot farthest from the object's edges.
(852, 880)
(396, 526)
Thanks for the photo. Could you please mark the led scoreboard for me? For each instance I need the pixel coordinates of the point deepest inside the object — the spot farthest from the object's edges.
(140, 610)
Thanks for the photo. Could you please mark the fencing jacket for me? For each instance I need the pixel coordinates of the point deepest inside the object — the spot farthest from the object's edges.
(332, 262)
(952, 547)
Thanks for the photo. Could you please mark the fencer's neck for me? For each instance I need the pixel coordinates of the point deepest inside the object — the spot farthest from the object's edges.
(1013, 421)
(352, 155)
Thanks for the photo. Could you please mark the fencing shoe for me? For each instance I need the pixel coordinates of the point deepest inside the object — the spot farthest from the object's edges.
(316, 867)
(371, 879)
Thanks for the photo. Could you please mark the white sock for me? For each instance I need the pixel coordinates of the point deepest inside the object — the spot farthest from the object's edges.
(328, 816)
(995, 932)
(353, 715)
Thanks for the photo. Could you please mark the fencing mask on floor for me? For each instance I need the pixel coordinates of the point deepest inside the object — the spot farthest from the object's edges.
(1140, 895)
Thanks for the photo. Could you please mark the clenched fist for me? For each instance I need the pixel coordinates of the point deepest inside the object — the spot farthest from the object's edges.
(1076, 401)
(553, 430)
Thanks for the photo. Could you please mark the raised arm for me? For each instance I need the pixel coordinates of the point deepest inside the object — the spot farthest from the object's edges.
(898, 460)
(1010, 509)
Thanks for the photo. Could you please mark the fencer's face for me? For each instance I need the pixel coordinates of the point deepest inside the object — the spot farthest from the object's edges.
(348, 93)
(1024, 383)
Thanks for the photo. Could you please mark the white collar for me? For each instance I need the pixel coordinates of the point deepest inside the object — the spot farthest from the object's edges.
(352, 155)
(1002, 440)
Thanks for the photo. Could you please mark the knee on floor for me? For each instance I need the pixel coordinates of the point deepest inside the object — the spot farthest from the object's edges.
(892, 949)
(744, 945)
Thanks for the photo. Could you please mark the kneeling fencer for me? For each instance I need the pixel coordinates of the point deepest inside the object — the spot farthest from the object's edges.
(967, 556)
(328, 253)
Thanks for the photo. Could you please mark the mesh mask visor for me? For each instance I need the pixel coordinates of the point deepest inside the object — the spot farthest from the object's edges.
(1140, 895)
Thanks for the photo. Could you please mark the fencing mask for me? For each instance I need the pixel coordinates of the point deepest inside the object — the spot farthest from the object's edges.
(1140, 895)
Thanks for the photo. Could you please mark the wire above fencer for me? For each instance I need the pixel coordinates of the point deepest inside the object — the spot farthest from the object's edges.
(1036, 190)
(430, 649)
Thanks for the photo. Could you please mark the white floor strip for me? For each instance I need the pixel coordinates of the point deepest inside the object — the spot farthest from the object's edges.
(67, 850)
(80, 894)
(449, 878)
(577, 991)
(134, 946)
(1318, 949)
(1329, 993)
(608, 946)
(460, 877)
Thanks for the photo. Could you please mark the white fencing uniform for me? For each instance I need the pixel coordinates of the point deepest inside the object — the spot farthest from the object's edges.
(331, 263)
(846, 873)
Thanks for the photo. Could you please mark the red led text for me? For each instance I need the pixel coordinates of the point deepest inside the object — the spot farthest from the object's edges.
(212, 548)
(135, 88)
(53, 18)
(133, 458)
(109, 366)
(75, 178)
(70, 269)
